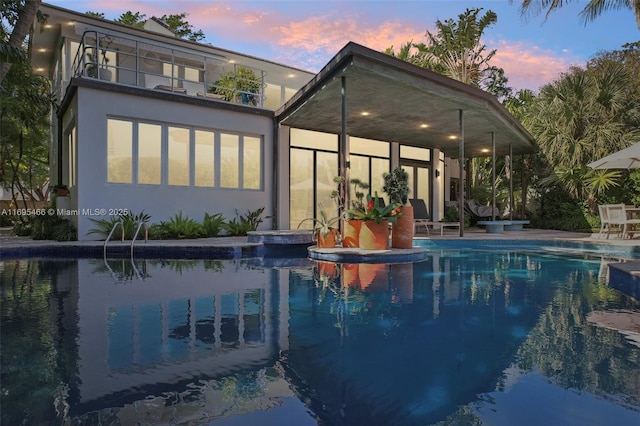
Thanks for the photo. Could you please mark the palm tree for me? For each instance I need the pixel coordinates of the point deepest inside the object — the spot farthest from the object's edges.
(455, 49)
(585, 115)
(22, 15)
(591, 11)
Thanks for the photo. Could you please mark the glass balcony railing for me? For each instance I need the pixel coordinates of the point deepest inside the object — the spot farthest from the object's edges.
(140, 63)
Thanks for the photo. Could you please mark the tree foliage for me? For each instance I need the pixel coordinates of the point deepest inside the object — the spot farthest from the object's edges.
(25, 100)
(134, 19)
(592, 10)
(15, 22)
(182, 28)
(455, 50)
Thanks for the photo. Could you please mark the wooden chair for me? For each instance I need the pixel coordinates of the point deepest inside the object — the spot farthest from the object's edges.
(617, 216)
(604, 220)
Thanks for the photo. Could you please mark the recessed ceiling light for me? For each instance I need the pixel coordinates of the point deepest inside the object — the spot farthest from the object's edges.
(39, 69)
(485, 150)
(424, 126)
(42, 50)
(232, 61)
(291, 75)
(365, 113)
(453, 137)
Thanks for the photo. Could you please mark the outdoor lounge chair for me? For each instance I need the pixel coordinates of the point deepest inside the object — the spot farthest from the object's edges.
(421, 217)
(481, 211)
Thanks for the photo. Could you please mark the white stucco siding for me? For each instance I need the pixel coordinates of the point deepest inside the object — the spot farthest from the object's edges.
(161, 201)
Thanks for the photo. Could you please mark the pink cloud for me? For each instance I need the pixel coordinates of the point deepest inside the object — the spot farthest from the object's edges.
(322, 36)
(529, 66)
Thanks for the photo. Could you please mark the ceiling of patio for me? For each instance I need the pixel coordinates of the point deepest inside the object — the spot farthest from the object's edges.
(405, 104)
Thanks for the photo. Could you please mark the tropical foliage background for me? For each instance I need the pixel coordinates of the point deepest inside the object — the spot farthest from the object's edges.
(588, 112)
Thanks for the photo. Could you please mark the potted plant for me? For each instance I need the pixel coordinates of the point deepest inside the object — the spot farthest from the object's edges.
(396, 186)
(241, 83)
(324, 229)
(374, 232)
(350, 225)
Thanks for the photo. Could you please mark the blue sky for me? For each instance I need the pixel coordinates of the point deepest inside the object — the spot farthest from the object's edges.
(307, 33)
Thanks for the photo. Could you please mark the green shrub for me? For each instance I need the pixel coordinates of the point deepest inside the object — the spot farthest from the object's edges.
(22, 228)
(178, 227)
(52, 227)
(6, 220)
(451, 215)
(129, 224)
(212, 224)
(242, 224)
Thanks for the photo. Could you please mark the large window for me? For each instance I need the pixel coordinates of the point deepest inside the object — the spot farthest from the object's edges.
(252, 155)
(119, 151)
(229, 151)
(314, 164)
(157, 154)
(205, 156)
(149, 153)
(369, 162)
(178, 156)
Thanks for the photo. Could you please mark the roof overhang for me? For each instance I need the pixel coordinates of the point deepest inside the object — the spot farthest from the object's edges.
(406, 104)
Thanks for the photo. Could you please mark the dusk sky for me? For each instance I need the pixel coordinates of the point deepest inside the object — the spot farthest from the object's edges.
(306, 34)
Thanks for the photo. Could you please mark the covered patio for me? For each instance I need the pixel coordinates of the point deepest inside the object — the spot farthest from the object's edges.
(368, 94)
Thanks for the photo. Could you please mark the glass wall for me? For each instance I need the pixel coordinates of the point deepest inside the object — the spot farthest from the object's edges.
(163, 155)
(314, 164)
(369, 162)
(417, 163)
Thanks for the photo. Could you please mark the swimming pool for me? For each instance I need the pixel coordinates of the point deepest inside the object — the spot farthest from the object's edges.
(471, 335)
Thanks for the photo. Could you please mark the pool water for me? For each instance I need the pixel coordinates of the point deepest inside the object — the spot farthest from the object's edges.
(468, 336)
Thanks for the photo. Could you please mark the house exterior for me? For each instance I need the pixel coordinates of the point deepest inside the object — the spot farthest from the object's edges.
(150, 122)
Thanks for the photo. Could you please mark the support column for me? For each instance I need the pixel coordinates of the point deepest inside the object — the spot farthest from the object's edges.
(493, 176)
(510, 182)
(462, 180)
(344, 163)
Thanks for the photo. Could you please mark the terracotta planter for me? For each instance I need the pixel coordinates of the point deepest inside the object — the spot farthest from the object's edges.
(374, 276)
(351, 232)
(374, 236)
(402, 231)
(328, 241)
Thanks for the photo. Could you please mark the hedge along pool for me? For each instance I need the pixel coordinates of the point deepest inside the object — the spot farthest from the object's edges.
(471, 335)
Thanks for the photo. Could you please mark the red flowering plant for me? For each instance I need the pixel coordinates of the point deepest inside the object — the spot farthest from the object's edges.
(372, 210)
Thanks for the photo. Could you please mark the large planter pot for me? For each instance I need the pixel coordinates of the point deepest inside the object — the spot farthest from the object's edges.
(373, 235)
(328, 241)
(351, 232)
(402, 231)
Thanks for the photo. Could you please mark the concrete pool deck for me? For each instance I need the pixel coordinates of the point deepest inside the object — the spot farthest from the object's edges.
(11, 242)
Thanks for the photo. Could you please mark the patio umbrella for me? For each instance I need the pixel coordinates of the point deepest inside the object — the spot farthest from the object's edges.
(628, 158)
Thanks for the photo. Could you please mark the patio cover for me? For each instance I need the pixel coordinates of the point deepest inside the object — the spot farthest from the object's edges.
(401, 98)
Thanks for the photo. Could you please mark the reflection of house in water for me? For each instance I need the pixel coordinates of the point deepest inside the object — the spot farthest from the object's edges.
(163, 330)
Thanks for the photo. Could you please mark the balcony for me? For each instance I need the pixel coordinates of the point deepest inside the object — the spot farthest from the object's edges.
(134, 62)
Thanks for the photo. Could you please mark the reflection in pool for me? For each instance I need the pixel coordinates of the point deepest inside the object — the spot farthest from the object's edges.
(464, 337)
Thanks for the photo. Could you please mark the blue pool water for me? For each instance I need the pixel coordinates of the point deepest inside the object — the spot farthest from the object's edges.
(468, 336)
